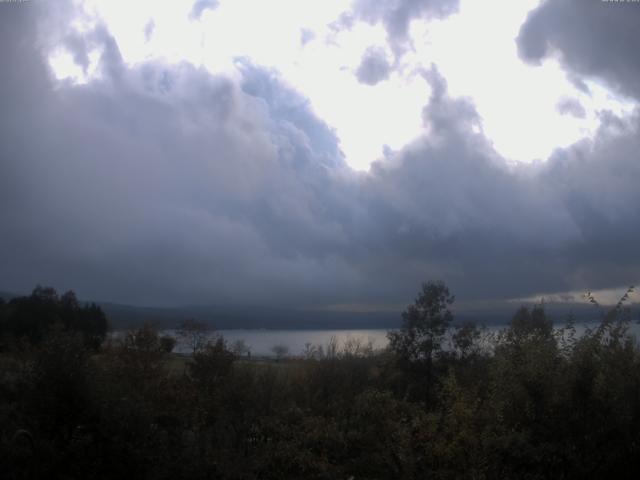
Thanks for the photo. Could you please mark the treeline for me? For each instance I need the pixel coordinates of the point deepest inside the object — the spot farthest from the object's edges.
(31, 318)
(443, 401)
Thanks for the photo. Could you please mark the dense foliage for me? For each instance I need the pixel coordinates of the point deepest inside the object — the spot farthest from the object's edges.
(444, 401)
(32, 318)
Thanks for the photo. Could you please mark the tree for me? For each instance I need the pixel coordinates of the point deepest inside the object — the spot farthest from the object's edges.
(466, 339)
(144, 339)
(280, 351)
(211, 364)
(424, 325)
(194, 334)
(167, 343)
(240, 348)
(527, 323)
(33, 316)
(4, 313)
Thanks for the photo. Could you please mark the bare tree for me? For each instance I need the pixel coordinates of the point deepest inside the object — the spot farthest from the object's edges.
(240, 348)
(280, 351)
(194, 334)
(313, 352)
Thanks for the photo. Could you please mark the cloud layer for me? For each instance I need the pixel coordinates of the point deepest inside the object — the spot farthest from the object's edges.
(595, 39)
(396, 16)
(374, 66)
(166, 184)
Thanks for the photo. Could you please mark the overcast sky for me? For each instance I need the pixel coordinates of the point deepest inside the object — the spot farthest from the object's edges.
(318, 152)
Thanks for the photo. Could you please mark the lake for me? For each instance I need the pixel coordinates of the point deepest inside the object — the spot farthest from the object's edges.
(261, 341)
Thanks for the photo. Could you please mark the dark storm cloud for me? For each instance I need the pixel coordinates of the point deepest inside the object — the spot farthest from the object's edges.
(595, 39)
(449, 207)
(374, 66)
(571, 106)
(164, 184)
(598, 179)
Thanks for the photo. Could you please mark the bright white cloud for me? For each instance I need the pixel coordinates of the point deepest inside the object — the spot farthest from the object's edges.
(61, 62)
(475, 50)
(477, 54)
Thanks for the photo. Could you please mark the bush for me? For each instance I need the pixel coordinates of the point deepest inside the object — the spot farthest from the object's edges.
(167, 344)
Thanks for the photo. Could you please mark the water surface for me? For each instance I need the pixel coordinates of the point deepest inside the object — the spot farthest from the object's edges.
(262, 341)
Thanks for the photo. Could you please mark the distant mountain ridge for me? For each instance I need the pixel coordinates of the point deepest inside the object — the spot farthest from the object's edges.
(6, 296)
(249, 317)
(267, 317)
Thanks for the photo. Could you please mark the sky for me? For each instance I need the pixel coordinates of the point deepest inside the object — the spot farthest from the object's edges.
(325, 154)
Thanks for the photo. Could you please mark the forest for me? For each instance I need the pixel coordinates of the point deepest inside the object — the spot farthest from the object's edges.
(444, 400)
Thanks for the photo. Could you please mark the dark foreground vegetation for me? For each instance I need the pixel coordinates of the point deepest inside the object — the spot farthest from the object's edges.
(441, 402)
